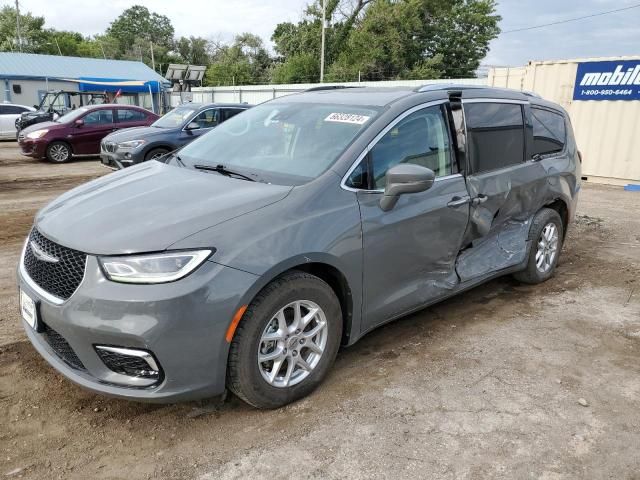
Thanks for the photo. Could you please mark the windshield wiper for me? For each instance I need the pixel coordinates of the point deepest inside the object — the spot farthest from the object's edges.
(222, 170)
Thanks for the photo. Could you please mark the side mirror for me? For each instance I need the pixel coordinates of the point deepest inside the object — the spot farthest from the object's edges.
(79, 123)
(192, 126)
(405, 178)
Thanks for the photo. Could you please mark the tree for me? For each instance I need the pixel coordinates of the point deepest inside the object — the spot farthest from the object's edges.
(31, 31)
(194, 50)
(244, 62)
(138, 23)
(299, 68)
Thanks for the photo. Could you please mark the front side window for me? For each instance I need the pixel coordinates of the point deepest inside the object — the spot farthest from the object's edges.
(422, 138)
(98, 117)
(549, 132)
(288, 143)
(227, 113)
(495, 135)
(207, 119)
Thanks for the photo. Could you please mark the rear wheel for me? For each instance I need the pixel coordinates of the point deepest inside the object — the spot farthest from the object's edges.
(58, 152)
(286, 342)
(546, 236)
(155, 153)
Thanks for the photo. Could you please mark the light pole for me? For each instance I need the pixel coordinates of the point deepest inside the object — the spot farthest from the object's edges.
(324, 26)
(18, 26)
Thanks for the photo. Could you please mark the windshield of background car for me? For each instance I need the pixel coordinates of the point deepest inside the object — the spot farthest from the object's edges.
(175, 118)
(287, 143)
(72, 115)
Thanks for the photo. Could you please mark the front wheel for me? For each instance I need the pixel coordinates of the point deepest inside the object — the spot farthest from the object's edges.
(286, 342)
(155, 154)
(58, 152)
(546, 236)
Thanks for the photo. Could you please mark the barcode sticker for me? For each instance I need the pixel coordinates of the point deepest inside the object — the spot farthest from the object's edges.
(347, 118)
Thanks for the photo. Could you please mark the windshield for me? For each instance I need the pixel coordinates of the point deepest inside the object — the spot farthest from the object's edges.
(72, 115)
(292, 141)
(175, 118)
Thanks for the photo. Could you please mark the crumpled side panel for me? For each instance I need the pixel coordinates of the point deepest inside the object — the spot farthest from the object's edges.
(503, 247)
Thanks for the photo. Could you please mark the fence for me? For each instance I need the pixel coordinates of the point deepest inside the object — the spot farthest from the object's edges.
(254, 94)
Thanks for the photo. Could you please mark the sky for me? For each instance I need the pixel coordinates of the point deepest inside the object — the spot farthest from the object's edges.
(608, 35)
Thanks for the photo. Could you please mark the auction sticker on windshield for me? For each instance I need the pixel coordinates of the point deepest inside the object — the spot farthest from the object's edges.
(347, 118)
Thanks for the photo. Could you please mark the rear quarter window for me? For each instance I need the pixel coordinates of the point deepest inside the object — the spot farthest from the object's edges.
(549, 131)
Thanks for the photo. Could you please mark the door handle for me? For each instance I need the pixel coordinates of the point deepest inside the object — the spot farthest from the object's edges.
(475, 201)
(456, 201)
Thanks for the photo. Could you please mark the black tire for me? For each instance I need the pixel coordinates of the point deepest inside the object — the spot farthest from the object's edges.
(155, 153)
(243, 373)
(56, 152)
(532, 274)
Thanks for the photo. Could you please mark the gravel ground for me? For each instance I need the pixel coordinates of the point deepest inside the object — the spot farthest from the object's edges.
(504, 381)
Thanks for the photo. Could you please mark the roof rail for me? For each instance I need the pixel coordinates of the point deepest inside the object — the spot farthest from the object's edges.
(329, 87)
(529, 93)
(430, 87)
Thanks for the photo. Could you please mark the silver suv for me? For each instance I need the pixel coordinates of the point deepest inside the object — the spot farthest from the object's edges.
(245, 260)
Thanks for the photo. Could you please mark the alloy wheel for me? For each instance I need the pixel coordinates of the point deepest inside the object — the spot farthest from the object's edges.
(292, 343)
(59, 153)
(547, 248)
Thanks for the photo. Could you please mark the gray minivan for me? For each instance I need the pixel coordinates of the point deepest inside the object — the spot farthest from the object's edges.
(245, 260)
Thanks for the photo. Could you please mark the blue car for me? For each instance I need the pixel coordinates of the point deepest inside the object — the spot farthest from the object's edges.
(170, 132)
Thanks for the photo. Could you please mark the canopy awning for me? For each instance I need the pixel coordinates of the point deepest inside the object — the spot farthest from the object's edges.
(113, 85)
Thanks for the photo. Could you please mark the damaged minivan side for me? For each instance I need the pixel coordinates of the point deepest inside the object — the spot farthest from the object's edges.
(290, 230)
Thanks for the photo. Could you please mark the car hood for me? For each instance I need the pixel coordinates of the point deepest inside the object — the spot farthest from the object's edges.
(149, 207)
(41, 125)
(137, 133)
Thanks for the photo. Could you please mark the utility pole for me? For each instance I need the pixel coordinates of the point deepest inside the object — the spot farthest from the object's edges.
(18, 26)
(102, 48)
(58, 45)
(153, 62)
(324, 26)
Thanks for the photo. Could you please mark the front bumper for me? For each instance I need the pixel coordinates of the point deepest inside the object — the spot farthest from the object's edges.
(183, 325)
(33, 148)
(119, 159)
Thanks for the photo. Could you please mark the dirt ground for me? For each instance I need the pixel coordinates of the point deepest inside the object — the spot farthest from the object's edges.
(485, 385)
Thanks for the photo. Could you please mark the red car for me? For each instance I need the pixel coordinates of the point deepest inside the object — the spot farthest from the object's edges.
(80, 131)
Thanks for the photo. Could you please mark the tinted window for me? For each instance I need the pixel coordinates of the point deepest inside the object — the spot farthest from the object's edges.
(227, 113)
(98, 117)
(130, 115)
(175, 118)
(548, 131)
(495, 135)
(12, 109)
(207, 119)
(3, 109)
(422, 138)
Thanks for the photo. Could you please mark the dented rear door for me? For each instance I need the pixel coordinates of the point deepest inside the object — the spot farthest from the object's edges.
(505, 187)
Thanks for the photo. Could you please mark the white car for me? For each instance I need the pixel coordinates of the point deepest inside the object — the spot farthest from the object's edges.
(9, 113)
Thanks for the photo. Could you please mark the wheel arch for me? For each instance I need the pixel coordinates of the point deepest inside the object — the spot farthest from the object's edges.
(326, 270)
(560, 206)
(154, 146)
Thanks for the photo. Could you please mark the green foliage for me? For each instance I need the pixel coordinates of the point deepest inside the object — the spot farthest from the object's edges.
(138, 23)
(244, 62)
(299, 68)
(31, 28)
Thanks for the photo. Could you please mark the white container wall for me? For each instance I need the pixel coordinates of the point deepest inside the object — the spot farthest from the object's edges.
(254, 94)
(607, 131)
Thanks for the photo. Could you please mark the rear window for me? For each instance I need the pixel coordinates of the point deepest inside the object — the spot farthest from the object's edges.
(549, 131)
(495, 135)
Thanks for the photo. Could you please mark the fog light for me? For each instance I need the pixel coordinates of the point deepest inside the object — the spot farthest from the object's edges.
(127, 155)
(129, 361)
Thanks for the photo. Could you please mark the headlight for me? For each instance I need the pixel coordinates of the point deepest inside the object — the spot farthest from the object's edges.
(37, 133)
(132, 144)
(154, 267)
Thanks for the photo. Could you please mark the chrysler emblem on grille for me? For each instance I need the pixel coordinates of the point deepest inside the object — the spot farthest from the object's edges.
(40, 254)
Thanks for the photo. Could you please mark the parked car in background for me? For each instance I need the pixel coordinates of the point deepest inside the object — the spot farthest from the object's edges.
(298, 226)
(174, 130)
(80, 131)
(9, 114)
(56, 103)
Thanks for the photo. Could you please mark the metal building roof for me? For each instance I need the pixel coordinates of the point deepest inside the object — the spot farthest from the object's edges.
(30, 65)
